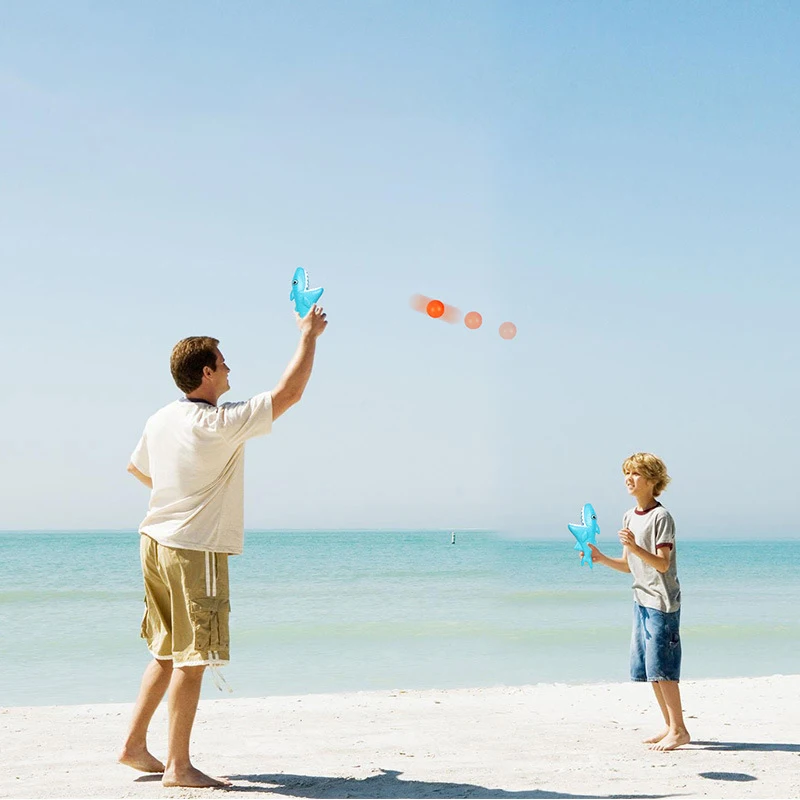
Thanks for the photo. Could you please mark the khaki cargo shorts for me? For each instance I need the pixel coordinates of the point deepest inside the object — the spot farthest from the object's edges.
(187, 604)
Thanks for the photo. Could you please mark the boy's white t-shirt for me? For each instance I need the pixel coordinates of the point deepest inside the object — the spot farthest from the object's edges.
(194, 454)
(653, 530)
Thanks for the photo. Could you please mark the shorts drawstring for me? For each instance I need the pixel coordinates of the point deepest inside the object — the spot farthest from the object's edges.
(219, 678)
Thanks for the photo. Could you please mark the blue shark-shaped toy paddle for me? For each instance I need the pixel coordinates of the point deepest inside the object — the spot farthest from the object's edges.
(303, 297)
(586, 532)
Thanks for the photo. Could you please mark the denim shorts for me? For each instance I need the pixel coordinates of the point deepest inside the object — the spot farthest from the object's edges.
(655, 645)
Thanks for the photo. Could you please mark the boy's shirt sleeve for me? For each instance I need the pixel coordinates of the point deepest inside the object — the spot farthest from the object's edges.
(665, 531)
(140, 458)
(239, 422)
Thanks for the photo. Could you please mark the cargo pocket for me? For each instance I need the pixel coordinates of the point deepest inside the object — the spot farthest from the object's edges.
(210, 622)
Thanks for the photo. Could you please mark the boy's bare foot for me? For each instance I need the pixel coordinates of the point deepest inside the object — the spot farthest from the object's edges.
(142, 760)
(192, 777)
(657, 738)
(672, 741)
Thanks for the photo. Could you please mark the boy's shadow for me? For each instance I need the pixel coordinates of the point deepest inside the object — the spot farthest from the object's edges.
(771, 747)
(387, 785)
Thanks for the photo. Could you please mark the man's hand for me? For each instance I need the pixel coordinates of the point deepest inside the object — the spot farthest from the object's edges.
(140, 476)
(313, 323)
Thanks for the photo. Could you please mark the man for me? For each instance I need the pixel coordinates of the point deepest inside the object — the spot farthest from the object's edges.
(191, 456)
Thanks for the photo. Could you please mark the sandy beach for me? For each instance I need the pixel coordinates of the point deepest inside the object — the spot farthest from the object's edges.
(539, 741)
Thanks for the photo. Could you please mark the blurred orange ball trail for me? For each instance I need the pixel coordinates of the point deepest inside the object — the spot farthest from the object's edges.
(508, 330)
(419, 302)
(429, 306)
(435, 308)
(473, 320)
(451, 314)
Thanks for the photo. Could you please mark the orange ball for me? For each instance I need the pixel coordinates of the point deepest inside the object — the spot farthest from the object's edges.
(508, 330)
(473, 320)
(435, 308)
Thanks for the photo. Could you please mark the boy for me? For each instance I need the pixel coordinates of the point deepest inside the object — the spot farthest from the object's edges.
(648, 539)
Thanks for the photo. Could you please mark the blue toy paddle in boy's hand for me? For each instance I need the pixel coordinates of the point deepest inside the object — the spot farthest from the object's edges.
(303, 297)
(586, 532)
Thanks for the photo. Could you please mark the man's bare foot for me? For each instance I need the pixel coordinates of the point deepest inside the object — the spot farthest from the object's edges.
(672, 741)
(142, 760)
(192, 777)
(657, 738)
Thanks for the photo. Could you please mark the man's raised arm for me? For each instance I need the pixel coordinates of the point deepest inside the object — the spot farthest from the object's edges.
(292, 384)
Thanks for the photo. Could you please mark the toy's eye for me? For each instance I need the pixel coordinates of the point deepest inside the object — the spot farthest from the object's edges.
(294, 283)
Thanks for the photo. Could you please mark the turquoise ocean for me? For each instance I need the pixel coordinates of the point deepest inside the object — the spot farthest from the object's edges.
(338, 611)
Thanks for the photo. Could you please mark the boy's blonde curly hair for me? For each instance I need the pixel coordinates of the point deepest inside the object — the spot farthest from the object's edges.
(650, 467)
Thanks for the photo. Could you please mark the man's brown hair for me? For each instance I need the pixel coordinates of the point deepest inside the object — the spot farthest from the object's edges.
(189, 357)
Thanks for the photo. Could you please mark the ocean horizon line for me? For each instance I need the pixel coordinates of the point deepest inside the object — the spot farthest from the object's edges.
(503, 534)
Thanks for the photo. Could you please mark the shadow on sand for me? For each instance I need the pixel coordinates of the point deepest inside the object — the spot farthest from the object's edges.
(387, 785)
(762, 747)
(741, 777)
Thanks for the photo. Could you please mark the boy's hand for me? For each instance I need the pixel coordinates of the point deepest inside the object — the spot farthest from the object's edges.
(596, 554)
(313, 323)
(627, 538)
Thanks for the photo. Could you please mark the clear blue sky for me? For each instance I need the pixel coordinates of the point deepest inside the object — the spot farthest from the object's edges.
(621, 180)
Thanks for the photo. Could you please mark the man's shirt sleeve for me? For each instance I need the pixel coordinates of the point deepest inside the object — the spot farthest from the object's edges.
(140, 457)
(239, 422)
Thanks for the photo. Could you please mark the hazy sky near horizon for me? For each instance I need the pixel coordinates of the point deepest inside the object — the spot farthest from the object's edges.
(620, 180)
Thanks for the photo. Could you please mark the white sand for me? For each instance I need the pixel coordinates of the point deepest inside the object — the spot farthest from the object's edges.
(534, 741)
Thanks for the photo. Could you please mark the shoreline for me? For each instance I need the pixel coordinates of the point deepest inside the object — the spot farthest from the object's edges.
(541, 740)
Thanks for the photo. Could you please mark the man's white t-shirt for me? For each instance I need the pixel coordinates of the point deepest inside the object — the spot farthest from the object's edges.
(194, 454)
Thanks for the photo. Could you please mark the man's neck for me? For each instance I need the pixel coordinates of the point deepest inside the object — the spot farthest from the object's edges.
(204, 396)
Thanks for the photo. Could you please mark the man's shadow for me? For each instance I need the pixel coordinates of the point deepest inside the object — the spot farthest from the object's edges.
(387, 785)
